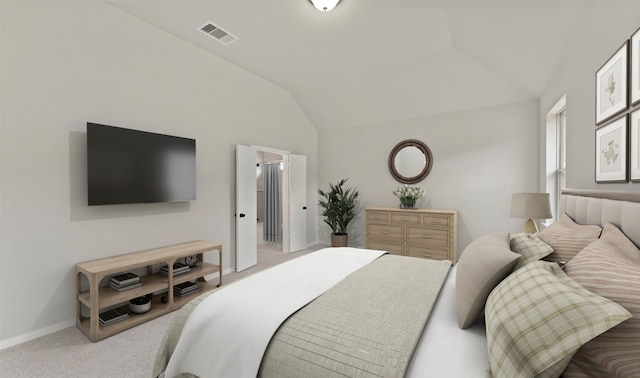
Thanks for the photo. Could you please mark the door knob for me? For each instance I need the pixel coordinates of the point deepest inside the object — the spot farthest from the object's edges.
(242, 215)
(304, 208)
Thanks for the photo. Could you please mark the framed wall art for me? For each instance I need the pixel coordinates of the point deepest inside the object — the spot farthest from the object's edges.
(611, 151)
(634, 146)
(635, 67)
(611, 85)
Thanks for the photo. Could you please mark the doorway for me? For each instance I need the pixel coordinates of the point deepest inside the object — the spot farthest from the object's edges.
(269, 169)
(293, 201)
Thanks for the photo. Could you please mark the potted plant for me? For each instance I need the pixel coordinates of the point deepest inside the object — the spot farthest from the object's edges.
(338, 204)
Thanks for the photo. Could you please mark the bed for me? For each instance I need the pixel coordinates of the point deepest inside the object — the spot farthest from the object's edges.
(435, 330)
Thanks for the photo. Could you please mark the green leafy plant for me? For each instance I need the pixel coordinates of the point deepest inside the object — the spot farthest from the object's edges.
(338, 205)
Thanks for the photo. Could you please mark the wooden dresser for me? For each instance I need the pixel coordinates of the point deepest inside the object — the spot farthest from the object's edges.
(425, 233)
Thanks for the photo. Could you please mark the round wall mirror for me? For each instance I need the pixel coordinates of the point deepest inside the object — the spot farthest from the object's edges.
(410, 161)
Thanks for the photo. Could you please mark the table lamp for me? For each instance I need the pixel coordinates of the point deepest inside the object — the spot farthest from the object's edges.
(532, 206)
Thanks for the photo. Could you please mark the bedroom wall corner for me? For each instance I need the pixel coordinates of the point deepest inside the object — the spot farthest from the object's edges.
(611, 24)
(133, 76)
(474, 174)
(1, 159)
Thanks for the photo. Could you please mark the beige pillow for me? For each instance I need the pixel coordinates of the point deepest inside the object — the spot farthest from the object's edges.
(610, 267)
(530, 247)
(567, 238)
(483, 264)
(538, 317)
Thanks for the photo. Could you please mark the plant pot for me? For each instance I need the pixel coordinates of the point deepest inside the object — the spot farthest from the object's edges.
(339, 240)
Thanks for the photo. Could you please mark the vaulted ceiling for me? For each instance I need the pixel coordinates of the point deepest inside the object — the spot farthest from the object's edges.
(374, 61)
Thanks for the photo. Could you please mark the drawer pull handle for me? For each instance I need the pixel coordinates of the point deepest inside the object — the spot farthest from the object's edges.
(436, 221)
(428, 237)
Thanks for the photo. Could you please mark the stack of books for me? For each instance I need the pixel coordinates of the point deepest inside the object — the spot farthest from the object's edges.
(185, 288)
(178, 269)
(112, 316)
(126, 281)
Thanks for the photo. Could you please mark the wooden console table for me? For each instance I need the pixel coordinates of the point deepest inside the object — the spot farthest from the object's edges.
(99, 298)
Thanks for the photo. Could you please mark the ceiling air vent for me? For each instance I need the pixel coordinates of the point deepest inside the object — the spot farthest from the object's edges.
(218, 33)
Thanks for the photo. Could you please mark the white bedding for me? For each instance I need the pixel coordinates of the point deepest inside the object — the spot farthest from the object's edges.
(444, 349)
(233, 344)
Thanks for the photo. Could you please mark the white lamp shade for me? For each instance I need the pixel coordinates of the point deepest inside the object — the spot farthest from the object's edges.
(530, 205)
(325, 5)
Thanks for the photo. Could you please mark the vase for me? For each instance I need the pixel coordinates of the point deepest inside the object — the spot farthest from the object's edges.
(407, 203)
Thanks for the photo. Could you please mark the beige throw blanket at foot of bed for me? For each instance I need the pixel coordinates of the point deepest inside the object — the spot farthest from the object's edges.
(366, 326)
(228, 333)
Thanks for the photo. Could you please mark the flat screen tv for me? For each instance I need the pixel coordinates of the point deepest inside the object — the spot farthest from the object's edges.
(131, 166)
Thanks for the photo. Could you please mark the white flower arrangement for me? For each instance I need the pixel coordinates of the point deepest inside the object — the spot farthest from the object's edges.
(408, 192)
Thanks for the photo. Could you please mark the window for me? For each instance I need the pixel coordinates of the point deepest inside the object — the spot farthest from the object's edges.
(556, 154)
(561, 153)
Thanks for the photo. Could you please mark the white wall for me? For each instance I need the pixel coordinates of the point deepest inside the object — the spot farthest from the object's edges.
(66, 63)
(479, 158)
(610, 26)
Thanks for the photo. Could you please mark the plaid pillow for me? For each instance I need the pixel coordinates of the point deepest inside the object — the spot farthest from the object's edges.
(610, 267)
(530, 247)
(538, 317)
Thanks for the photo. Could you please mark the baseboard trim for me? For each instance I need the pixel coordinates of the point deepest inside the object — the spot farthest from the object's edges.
(215, 275)
(16, 340)
(13, 341)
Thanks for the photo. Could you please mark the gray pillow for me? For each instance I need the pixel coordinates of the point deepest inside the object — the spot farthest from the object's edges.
(483, 264)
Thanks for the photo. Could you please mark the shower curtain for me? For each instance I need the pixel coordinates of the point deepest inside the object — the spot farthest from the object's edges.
(272, 231)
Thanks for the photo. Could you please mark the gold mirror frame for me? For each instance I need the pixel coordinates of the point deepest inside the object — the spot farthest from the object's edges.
(428, 161)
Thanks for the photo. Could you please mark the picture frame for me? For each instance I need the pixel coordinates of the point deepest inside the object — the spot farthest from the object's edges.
(612, 85)
(611, 151)
(634, 146)
(634, 82)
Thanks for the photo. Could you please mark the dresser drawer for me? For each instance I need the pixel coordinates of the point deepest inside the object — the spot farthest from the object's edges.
(378, 216)
(435, 220)
(427, 253)
(386, 233)
(422, 233)
(427, 237)
(405, 218)
(392, 248)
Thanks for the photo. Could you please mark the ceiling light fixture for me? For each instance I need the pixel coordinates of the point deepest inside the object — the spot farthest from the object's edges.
(325, 5)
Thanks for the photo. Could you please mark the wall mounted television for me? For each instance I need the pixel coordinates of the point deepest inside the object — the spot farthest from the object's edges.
(131, 166)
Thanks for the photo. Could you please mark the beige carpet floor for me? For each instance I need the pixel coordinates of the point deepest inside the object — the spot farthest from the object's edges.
(68, 353)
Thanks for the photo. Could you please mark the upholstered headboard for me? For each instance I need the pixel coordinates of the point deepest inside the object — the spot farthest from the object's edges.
(601, 207)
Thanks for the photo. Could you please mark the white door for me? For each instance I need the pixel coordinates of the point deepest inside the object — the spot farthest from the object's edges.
(246, 208)
(297, 202)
